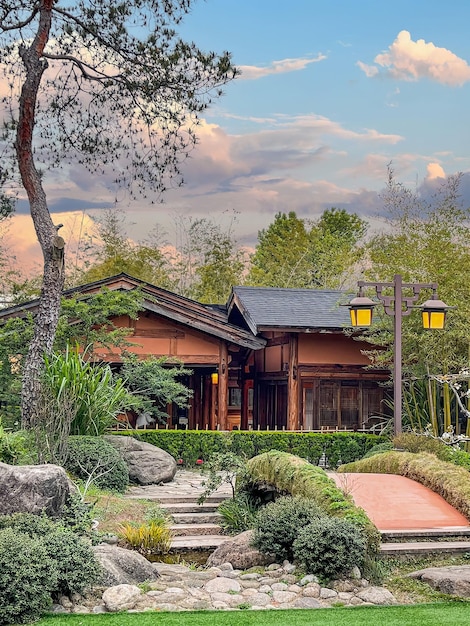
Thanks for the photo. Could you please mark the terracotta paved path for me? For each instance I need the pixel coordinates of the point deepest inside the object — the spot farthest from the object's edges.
(397, 503)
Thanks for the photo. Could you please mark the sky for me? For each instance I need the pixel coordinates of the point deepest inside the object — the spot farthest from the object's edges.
(330, 93)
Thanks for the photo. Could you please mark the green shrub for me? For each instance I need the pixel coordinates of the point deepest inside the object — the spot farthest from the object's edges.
(461, 458)
(74, 565)
(278, 523)
(329, 547)
(237, 514)
(13, 446)
(386, 446)
(94, 459)
(27, 577)
(148, 539)
(412, 442)
(190, 445)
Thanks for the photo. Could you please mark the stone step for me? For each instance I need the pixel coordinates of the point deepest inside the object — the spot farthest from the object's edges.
(197, 542)
(171, 499)
(187, 530)
(423, 533)
(424, 547)
(185, 507)
(206, 517)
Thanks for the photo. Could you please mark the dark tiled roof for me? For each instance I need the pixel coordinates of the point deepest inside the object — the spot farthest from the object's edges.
(264, 307)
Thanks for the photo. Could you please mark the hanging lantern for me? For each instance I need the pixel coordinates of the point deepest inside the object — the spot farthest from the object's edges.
(215, 378)
(434, 314)
(360, 309)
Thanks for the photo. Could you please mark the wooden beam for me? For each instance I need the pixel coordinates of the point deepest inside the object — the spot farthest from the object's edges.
(293, 384)
(223, 387)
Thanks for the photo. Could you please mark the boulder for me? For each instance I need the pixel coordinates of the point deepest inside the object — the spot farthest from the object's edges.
(121, 566)
(33, 489)
(453, 579)
(238, 551)
(121, 598)
(148, 465)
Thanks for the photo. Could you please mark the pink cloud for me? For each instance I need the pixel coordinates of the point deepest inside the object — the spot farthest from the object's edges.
(253, 72)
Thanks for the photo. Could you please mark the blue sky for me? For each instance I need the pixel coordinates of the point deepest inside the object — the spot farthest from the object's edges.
(330, 93)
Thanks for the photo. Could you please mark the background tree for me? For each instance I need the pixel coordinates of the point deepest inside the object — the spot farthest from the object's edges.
(103, 85)
(116, 253)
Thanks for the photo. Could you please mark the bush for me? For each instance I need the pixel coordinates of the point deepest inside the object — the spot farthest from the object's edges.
(95, 460)
(148, 539)
(27, 577)
(411, 442)
(329, 547)
(278, 523)
(73, 562)
(237, 514)
(13, 446)
(378, 449)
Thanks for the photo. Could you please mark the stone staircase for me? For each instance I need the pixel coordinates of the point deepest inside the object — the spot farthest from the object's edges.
(195, 526)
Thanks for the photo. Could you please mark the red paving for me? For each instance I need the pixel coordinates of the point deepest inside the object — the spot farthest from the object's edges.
(397, 503)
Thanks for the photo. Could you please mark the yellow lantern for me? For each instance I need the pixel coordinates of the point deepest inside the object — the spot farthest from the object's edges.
(215, 378)
(360, 309)
(434, 314)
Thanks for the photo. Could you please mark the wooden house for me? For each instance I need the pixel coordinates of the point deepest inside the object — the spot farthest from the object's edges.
(271, 358)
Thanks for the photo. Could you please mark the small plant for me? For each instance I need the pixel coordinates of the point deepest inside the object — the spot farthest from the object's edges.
(244, 606)
(237, 514)
(223, 467)
(147, 539)
(278, 523)
(93, 459)
(329, 547)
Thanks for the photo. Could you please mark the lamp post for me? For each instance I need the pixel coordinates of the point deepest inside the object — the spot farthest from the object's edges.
(398, 305)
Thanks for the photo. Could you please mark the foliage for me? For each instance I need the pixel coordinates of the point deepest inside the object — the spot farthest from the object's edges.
(237, 514)
(292, 475)
(329, 547)
(93, 459)
(423, 226)
(77, 515)
(295, 253)
(95, 396)
(190, 445)
(13, 446)
(148, 539)
(378, 449)
(27, 577)
(222, 467)
(414, 442)
(116, 253)
(446, 479)
(278, 524)
(70, 556)
(154, 384)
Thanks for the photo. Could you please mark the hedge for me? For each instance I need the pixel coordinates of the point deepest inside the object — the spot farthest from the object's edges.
(191, 445)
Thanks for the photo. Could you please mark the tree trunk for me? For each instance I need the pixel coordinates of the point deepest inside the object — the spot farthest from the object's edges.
(52, 246)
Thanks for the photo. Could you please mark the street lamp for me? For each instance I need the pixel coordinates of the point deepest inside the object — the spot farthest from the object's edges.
(398, 305)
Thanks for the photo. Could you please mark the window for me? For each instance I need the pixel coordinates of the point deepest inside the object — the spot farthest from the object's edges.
(234, 396)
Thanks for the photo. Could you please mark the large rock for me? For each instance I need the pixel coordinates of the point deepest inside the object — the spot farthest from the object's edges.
(121, 598)
(148, 465)
(453, 579)
(33, 489)
(121, 566)
(238, 551)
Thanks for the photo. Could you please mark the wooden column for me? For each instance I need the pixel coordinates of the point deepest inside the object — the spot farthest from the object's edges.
(223, 387)
(206, 402)
(195, 410)
(293, 384)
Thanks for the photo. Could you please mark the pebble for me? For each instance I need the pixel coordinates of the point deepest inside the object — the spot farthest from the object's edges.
(181, 589)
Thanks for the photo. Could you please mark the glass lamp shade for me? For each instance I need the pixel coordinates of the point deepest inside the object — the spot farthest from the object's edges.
(361, 309)
(434, 314)
(215, 378)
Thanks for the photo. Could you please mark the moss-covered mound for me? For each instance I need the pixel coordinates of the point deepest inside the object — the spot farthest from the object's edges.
(446, 479)
(292, 475)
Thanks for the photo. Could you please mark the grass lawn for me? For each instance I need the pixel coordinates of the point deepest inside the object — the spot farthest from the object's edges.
(442, 614)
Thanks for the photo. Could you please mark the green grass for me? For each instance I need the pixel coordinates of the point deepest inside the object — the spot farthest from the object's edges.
(452, 614)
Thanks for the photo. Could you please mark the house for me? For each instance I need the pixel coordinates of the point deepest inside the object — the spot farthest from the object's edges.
(271, 358)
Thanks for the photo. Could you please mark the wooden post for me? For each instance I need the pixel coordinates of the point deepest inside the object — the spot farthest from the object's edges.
(206, 401)
(223, 387)
(293, 384)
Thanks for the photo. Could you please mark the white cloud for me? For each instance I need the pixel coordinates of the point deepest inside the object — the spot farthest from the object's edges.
(412, 60)
(253, 72)
(434, 170)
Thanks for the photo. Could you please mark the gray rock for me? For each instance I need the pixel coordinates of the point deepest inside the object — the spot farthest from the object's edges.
(238, 551)
(121, 597)
(222, 585)
(307, 603)
(148, 465)
(33, 489)
(283, 596)
(376, 595)
(453, 579)
(121, 566)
